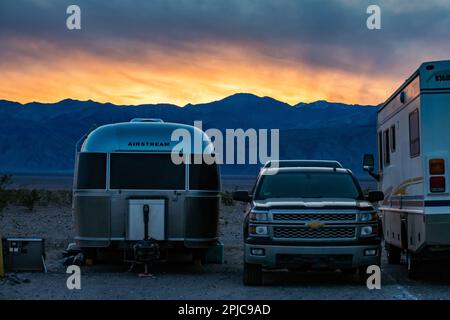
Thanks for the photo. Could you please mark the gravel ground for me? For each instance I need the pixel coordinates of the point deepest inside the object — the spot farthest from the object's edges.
(184, 280)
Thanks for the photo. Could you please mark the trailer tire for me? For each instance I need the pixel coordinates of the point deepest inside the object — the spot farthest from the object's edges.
(199, 257)
(252, 274)
(415, 266)
(394, 254)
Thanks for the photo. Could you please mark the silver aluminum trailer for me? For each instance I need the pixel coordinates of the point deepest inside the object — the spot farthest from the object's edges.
(413, 130)
(124, 171)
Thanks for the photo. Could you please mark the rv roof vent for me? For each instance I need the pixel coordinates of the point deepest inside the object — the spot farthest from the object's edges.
(146, 120)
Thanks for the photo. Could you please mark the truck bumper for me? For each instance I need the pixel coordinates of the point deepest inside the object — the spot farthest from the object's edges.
(313, 257)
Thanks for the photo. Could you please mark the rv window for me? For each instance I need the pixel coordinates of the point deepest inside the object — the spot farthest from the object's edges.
(145, 171)
(380, 150)
(414, 134)
(91, 172)
(393, 138)
(387, 149)
(203, 176)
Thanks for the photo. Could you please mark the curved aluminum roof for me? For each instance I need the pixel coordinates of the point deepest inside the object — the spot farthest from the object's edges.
(147, 137)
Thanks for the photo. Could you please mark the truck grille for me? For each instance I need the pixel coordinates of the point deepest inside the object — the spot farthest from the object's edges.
(308, 233)
(314, 216)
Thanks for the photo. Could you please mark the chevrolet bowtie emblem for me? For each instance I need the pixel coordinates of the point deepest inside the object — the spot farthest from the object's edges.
(315, 225)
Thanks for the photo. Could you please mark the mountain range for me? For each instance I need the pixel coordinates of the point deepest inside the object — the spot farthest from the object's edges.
(41, 137)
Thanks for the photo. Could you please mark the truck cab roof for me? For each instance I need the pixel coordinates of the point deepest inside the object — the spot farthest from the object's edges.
(302, 163)
(270, 171)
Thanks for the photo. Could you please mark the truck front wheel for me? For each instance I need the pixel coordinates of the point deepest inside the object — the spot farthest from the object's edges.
(252, 274)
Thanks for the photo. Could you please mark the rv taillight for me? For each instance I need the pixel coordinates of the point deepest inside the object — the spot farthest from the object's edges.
(437, 166)
(437, 184)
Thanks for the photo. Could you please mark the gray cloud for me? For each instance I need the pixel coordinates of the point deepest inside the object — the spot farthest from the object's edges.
(327, 34)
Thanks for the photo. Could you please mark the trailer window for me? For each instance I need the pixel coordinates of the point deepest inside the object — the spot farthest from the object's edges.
(91, 171)
(203, 176)
(393, 142)
(387, 149)
(145, 171)
(414, 134)
(380, 150)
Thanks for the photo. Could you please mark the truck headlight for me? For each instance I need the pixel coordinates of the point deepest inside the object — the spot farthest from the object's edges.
(258, 216)
(367, 216)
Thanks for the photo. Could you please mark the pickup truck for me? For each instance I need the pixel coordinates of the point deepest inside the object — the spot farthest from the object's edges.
(306, 218)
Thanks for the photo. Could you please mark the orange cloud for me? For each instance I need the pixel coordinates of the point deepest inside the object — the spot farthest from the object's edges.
(198, 74)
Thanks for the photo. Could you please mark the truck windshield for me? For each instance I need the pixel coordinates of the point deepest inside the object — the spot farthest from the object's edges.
(308, 185)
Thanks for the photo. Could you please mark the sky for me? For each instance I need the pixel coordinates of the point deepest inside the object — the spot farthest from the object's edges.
(195, 51)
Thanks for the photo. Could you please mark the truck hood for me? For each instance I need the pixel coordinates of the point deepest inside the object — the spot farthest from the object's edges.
(322, 203)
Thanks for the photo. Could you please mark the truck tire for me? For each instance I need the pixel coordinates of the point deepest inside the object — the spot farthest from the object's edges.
(362, 274)
(394, 254)
(252, 274)
(415, 266)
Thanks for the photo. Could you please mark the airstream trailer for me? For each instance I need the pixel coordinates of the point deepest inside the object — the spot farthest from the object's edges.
(127, 189)
(413, 160)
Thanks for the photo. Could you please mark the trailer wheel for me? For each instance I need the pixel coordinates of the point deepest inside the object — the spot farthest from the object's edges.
(415, 266)
(199, 257)
(394, 254)
(252, 274)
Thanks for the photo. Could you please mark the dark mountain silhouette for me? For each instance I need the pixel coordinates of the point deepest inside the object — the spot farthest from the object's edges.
(41, 137)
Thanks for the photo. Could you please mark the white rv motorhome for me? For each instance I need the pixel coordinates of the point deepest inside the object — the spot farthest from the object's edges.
(413, 134)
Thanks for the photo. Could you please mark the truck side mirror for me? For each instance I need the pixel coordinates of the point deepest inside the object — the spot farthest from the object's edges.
(368, 162)
(242, 196)
(375, 196)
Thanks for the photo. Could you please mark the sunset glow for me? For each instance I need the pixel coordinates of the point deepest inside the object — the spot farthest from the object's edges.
(158, 77)
(184, 52)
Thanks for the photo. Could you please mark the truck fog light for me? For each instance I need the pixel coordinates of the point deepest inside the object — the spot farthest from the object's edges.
(257, 252)
(261, 230)
(367, 230)
(370, 252)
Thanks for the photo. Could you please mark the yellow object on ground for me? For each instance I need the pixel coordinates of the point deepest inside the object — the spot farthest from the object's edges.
(2, 269)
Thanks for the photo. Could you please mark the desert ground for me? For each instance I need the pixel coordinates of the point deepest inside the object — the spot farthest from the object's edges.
(183, 279)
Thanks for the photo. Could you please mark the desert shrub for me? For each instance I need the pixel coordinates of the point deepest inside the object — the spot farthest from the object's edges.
(3, 200)
(32, 198)
(29, 198)
(5, 180)
(61, 197)
(227, 198)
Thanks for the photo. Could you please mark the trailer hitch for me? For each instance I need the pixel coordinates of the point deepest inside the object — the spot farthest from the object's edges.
(146, 251)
